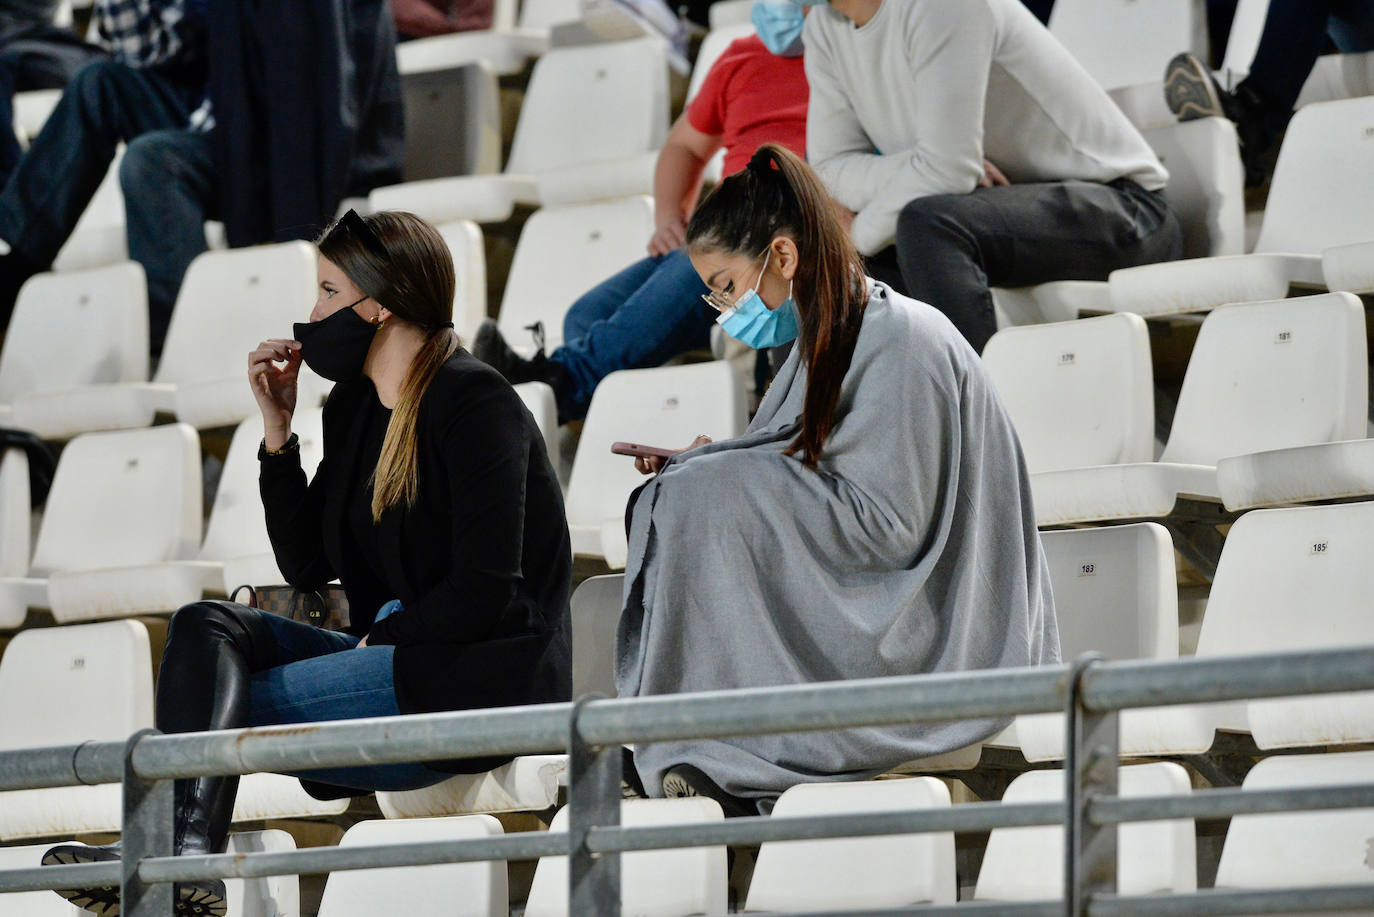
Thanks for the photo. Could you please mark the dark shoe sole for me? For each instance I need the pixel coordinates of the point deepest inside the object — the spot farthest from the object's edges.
(193, 899)
(685, 781)
(1190, 91)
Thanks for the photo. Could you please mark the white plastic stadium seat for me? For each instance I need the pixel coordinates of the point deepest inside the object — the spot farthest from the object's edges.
(504, 47)
(1349, 267)
(33, 904)
(99, 238)
(120, 503)
(1026, 864)
(452, 122)
(590, 127)
(268, 896)
(667, 407)
(64, 685)
(1124, 42)
(1262, 376)
(1325, 168)
(595, 616)
(563, 252)
(464, 239)
(1079, 393)
(653, 883)
(1301, 474)
(234, 299)
(69, 330)
(529, 783)
(856, 873)
(31, 111)
(457, 889)
(1114, 593)
(712, 47)
(1292, 849)
(15, 526)
(539, 398)
(725, 13)
(236, 534)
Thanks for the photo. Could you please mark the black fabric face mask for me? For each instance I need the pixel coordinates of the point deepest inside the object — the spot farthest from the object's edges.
(336, 347)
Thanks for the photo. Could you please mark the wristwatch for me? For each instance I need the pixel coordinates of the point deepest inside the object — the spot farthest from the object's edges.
(292, 444)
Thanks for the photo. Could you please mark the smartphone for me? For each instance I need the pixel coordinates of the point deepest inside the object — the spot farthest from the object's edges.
(639, 451)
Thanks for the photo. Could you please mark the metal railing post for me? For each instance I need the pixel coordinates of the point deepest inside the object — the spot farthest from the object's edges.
(146, 832)
(1090, 771)
(593, 801)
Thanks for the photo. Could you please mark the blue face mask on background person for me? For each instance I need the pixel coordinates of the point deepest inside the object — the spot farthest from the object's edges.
(779, 24)
(754, 324)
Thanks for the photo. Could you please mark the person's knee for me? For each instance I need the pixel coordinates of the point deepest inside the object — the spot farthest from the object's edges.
(926, 218)
(205, 616)
(145, 166)
(92, 83)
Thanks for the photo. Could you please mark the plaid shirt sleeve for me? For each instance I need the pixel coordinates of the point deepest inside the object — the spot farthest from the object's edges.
(140, 33)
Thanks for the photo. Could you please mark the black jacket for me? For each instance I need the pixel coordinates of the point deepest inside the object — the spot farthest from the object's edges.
(481, 563)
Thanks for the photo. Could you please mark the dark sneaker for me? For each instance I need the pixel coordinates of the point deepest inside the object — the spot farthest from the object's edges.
(204, 898)
(1191, 91)
(489, 346)
(686, 780)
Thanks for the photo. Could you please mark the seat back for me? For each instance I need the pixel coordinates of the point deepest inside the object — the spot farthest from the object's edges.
(668, 407)
(229, 302)
(1294, 849)
(595, 616)
(565, 251)
(84, 682)
(1079, 393)
(1114, 591)
(1270, 375)
(712, 47)
(1323, 177)
(1297, 579)
(237, 526)
(1206, 187)
(457, 889)
(464, 239)
(592, 103)
(725, 13)
(1247, 25)
(539, 398)
(545, 14)
(265, 896)
(76, 328)
(856, 873)
(1027, 864)
(452, 121)
(16, 514)
(1123, 42)
(122, 499)
(654, 883)
(34, 904)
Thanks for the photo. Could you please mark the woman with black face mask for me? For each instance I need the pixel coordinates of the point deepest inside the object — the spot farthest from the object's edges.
(435, 506)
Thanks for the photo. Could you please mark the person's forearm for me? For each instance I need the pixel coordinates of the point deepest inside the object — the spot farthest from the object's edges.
(677, 182)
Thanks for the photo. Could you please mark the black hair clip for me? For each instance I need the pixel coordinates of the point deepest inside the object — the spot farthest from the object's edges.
(351, 222)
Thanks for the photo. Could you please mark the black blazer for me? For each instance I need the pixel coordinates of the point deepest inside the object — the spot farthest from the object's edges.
(482, 562)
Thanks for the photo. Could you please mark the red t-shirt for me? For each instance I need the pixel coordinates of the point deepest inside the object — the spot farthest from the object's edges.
(750, 97)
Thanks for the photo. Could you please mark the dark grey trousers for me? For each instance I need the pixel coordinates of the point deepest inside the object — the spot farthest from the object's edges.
(952, 248)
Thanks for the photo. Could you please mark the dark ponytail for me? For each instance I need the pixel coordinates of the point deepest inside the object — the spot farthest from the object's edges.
(778, 194)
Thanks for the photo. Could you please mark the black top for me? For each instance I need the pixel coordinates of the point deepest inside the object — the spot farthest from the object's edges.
(481, 563)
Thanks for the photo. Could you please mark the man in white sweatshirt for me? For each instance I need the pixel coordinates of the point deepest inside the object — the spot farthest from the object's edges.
(974, 151)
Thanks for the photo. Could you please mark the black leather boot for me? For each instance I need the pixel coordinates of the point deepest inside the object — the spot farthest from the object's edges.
(212, 649)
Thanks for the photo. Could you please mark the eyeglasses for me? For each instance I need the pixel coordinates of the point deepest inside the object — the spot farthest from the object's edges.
(718, 301)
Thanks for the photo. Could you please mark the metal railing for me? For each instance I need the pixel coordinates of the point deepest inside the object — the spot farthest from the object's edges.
(1090, 692)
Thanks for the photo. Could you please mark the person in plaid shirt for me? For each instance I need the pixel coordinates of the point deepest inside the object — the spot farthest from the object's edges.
(150, 95)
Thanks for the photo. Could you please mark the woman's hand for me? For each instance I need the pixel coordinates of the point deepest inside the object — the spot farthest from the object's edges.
(669, 237)
(992, 176)
(361, 644)
(274, 387)
(652, 464)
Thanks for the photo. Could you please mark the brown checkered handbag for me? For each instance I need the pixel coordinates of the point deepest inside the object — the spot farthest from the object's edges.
(327, 608)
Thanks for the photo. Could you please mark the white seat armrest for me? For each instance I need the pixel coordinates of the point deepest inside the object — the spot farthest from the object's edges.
(1142, 490)
(598, 180)
(17, 596)
(64, 413)
(505, 52)
(530, 783)
(120, 592)
(1202, 284)
(1302, 474)
(1349, 268)
(481, 198)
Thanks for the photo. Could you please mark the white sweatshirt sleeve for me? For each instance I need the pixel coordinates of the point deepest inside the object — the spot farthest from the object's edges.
(950, 48)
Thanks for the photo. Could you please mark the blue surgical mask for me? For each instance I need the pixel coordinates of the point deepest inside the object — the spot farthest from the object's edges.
(754, 324)
(779, 24)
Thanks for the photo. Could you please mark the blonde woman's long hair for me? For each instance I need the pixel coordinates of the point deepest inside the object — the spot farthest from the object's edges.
(405, 266)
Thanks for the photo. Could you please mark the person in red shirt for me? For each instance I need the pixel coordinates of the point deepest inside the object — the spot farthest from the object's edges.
(653, 310)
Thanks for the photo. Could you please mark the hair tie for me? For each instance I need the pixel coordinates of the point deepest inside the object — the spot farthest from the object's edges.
(443, 325)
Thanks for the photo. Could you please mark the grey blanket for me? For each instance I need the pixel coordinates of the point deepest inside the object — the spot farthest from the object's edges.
(913, 549)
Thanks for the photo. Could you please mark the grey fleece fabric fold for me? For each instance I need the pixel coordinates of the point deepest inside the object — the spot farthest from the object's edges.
(912, 549)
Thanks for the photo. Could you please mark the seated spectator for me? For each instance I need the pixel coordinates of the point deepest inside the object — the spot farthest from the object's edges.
(875, 519)
(1295, 34)
(426, 18)
(652, 311)
(34, 54)
(168, 81)
(974, 151)
(436, 508)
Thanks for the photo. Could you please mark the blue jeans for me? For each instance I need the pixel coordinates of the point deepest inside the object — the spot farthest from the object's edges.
(166, 176)
(645, 315)
(321, 675)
